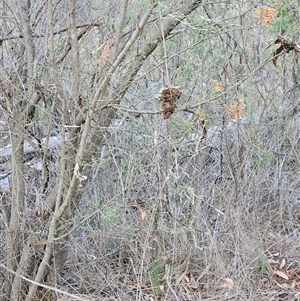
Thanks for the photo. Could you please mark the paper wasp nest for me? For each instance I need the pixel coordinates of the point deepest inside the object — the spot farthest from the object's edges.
(167, 97)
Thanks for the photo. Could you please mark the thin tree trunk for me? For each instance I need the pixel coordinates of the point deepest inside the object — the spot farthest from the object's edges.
(16, 220)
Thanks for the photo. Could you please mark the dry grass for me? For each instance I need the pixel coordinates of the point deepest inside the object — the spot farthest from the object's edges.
(203, 205)
(211, 220)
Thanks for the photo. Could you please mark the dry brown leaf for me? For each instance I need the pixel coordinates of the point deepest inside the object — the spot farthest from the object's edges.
(228, 284)
(142, 212)
(281, 275)
(272, 261)
(282, 263)
(276, 53)
(105, 53)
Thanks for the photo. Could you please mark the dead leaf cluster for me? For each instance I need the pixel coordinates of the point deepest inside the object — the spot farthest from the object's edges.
(236, 110)
(167, 97)
(219, 87)
(265, 14)
(285, 272)
(284, 45)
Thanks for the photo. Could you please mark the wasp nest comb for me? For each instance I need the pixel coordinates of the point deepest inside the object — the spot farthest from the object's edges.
(167, 97)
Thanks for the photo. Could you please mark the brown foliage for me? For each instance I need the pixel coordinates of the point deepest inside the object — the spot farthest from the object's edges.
(284, 45)
(265, 14)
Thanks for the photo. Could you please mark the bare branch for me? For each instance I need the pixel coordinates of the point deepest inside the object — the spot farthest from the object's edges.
(119, 29)
(75, 51)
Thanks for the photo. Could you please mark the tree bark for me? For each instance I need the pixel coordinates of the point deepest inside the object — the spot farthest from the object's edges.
(13, 232)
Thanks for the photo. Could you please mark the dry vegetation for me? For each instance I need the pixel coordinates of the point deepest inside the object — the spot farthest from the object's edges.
(173, 173)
